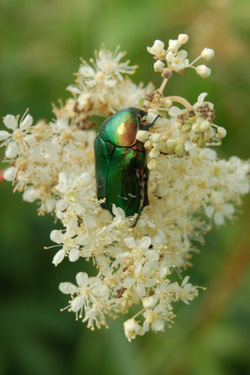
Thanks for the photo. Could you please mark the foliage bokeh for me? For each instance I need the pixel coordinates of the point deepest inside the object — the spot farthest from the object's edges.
(41, 44)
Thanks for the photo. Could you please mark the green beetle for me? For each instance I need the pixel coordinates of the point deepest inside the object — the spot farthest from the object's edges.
(120, 161)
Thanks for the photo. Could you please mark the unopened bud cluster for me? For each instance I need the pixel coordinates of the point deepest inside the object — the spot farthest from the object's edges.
(174, 59)
(176, 127)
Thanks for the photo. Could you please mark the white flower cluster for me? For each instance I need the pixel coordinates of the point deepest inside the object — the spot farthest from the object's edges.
(101, 88)
(38, 153)
(189, 189)
(175, 127)
(172, 60)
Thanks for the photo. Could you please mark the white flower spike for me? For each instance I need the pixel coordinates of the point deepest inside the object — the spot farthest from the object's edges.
(189, 188)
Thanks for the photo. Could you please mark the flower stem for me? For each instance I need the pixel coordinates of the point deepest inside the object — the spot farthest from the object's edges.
(164, 82)
(139, 313)
(179, 99)
(194, 61)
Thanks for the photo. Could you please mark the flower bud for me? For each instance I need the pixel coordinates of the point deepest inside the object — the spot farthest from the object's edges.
(158, 66)
(209, 134)
(155, 137)
(207, 53)
(149, 302)
(173, 45)
(142, 135)
(203, 71)
(221, 132)
(179, 149)
(158, 146)
(167, 103)
(205, 125)
(157, 48)
(183, 38)
(170, 146)
(196, 128)
(152, 164)
(201, 143)
(186, 127)
(147, 145)
(154, 153)
(164, 137)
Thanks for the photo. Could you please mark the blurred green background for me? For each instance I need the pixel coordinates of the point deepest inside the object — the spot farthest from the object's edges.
(41, 42)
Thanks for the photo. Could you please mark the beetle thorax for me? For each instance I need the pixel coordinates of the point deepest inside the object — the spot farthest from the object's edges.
(121, 128)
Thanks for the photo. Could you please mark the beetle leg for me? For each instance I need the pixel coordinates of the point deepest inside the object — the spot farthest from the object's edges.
(145, 201)
(138, 217)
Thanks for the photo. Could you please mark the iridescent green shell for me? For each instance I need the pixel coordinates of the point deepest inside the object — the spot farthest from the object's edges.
(121, 170)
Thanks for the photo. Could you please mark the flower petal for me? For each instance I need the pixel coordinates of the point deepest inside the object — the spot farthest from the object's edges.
(82, 279)
(10, 122)
(59, 256)
(4, 135)
(57, 236)
(27, 121)
(67, 288)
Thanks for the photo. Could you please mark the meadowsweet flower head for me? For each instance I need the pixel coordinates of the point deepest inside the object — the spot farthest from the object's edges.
(189, 188)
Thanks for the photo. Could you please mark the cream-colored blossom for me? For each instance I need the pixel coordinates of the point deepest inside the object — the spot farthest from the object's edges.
(177, 62)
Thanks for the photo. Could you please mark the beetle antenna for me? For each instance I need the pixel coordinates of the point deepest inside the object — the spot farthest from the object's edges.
(150, 125)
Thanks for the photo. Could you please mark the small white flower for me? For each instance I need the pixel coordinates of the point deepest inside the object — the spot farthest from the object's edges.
(179, 61)
(155, 318)
(132, 329)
